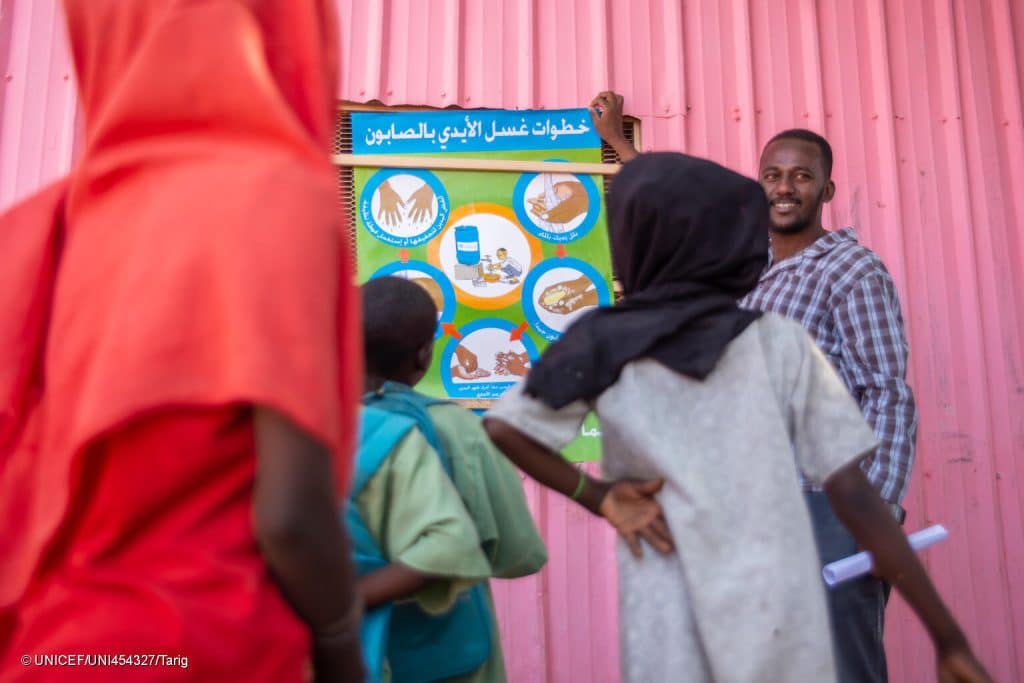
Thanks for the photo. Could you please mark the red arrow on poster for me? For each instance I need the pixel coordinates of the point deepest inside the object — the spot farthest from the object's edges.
(450, 330)
(517, 333)
(560, 251)
(403, 255)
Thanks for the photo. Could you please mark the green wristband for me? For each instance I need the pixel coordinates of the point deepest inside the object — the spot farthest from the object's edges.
(580, 486)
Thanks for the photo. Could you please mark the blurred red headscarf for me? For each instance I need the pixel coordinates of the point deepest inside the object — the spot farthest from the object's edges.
(195, 255)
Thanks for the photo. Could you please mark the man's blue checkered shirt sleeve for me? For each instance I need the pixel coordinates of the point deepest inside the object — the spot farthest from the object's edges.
(874, 367)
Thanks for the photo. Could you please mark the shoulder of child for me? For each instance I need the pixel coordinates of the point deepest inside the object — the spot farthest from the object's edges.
(780, 330)
(786, 345)
(407, 454)
(462, 432)
(451, 417)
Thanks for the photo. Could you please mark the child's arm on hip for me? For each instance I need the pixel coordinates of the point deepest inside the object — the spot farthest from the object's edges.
(629, 506)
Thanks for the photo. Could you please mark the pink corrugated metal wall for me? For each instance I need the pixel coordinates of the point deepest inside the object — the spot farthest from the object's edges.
(37, 97)
(923, 102)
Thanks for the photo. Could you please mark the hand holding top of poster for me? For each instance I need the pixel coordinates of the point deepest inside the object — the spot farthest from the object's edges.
(606, 115)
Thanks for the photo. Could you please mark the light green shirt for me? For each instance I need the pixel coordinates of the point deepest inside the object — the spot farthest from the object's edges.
(467, 528)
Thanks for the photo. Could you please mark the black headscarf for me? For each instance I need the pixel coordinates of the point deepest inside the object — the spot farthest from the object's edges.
(688, 239)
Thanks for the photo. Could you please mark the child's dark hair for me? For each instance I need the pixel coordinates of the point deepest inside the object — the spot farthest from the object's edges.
(812, 137)
(399, 319)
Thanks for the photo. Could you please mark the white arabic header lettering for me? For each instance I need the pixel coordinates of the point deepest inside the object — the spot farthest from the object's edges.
(474, 128)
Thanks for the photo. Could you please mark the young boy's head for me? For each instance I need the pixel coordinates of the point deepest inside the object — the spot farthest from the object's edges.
(399, 320)
(502, 253)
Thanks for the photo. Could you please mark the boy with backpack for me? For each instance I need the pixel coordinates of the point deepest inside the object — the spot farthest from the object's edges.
(434, 509)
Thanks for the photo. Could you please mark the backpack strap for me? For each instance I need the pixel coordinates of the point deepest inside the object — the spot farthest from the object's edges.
(379, 432)
(400, 399)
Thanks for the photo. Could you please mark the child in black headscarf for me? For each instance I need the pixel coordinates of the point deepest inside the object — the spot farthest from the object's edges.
(714, 409)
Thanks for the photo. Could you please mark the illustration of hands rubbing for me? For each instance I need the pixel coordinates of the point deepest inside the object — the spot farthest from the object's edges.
(512, 363)
(568, 296)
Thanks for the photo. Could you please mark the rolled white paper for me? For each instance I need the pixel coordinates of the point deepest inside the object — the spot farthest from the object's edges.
(860, 564)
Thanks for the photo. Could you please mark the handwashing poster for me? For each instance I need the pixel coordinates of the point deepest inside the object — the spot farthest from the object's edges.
(510, 259)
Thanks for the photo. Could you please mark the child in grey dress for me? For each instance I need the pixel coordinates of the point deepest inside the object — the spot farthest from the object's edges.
(708, 413)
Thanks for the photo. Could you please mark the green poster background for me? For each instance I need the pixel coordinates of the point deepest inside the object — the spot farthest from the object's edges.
(464, 188)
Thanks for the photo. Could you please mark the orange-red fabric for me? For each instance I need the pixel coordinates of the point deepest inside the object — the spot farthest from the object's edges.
(192, 265)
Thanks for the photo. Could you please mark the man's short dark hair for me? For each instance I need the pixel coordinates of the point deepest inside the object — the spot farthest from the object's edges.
(812, 137)
(399, 319)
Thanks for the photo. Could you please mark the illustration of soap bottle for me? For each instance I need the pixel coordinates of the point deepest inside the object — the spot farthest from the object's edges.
(467, 245)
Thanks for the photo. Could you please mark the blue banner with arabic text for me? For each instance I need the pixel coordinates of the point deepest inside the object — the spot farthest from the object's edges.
(472, 131)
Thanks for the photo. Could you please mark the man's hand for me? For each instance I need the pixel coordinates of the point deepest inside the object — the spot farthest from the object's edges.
(869, 519)
(606, 115)
(630, 507)
(960, 666)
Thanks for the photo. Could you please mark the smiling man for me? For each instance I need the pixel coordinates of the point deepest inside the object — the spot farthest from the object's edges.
(845, 298)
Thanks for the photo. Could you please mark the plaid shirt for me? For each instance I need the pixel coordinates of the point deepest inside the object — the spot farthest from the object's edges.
(844, 297)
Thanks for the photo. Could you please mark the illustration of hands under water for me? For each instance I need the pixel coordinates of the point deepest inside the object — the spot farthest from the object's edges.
(570, 202)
